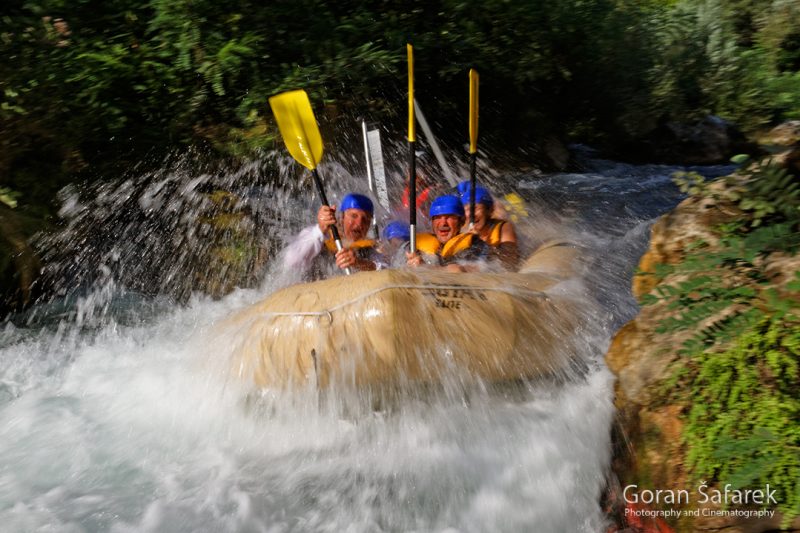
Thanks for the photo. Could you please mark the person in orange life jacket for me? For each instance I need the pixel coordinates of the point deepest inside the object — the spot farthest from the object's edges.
(358, 252)
(447, 244)
(498, 234)
(498, 211)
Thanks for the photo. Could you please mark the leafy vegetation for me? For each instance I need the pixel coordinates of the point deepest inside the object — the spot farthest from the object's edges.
(744, 425)
(84, 83)
(734, 58)
(739, 372)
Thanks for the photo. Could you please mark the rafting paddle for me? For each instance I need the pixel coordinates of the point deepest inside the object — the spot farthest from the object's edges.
(473, 141)
(412, 159)
(301, 135)
(376, 173)
(437, 152)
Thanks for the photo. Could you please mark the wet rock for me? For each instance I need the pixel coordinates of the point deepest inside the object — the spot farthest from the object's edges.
(555, 153)
(641, 359)
(692, 220)
(783, 143)
(783, 135)
(709, 141)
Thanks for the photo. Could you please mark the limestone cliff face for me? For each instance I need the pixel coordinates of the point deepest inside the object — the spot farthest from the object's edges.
(650, 449)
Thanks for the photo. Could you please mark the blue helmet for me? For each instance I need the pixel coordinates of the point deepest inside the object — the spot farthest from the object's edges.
(396, 230)
(482, 196)
(356, 201)
(462, 187)
(446, 205)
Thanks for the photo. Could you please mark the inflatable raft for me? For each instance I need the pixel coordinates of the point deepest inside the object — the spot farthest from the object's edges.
(409, 326)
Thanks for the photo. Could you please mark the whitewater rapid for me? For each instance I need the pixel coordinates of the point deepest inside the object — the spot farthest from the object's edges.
(138, 429)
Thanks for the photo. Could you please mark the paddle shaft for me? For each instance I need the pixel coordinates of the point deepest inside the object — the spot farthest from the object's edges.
(412, 159)
(473, 141)
(473, 157)
(333, 229)
(412, 195)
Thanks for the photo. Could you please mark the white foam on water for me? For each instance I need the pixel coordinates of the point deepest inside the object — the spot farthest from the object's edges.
(141, 429)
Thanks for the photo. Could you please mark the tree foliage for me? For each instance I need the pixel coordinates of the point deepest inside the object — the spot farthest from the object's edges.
(734, 58)
(85, 82)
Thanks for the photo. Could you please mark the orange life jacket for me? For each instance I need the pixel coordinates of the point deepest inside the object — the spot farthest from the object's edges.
(457, 244)
(495, 234)
(428, 244)
(330, 244)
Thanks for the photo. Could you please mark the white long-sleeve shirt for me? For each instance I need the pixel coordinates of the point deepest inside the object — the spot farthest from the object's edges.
(300, 254)
(303, 249)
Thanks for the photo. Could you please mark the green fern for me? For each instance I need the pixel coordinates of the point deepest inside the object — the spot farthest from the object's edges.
(744, 413)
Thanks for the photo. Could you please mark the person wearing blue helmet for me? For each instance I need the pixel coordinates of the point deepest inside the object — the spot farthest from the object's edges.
(396, 230)
(498, 234)
(358, 252)
(447, 243)
(396, 235)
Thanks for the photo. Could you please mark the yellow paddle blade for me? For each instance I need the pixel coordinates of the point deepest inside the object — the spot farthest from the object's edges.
(412, 130)
(473, 110)
(298, 127)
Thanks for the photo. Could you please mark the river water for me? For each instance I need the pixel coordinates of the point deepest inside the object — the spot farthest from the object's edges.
(117, 412)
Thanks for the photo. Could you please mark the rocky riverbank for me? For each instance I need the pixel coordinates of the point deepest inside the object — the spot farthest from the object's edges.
(707, 373)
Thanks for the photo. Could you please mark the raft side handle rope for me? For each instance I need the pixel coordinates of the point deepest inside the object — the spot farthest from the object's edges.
(325, 312)
(329, 312)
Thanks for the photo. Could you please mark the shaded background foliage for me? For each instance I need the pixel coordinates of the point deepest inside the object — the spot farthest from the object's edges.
(88, 88)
